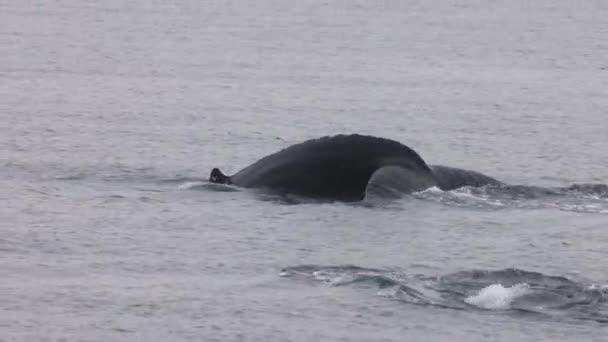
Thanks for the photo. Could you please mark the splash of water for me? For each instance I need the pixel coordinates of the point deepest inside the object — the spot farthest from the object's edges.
(497, 297)
(510, 290)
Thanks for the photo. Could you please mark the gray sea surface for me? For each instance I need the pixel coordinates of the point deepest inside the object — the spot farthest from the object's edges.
(113, 113)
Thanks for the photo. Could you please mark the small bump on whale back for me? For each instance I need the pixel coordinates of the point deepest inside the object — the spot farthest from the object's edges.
(217, 176)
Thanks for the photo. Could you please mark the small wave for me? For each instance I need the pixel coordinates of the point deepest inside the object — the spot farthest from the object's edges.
(507, 276)
(207, 186)
(587, 189)
(355, 279)
(71, 176)
(582, 198)
(182, 180)
(509, 290)
(469, 197)
(189, 185)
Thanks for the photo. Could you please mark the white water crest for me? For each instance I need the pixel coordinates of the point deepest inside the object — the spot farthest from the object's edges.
(498, 297)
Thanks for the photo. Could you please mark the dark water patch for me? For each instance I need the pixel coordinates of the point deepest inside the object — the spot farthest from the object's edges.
(507, 277)
(71, 177)
(511, 291)
(599, 190)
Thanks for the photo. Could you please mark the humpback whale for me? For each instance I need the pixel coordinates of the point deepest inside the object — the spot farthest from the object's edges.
(348, 168)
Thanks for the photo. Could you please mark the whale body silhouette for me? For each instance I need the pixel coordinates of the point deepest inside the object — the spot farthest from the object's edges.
(349, 168)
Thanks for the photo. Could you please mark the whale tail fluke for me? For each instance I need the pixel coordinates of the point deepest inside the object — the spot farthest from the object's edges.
(218, 177)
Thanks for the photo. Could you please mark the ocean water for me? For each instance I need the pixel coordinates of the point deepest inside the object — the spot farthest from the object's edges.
(113, 113)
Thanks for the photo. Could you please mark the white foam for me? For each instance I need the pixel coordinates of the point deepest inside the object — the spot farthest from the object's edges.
(333, 279)
(598, 287)
(465, 192)
(430, 190)
(326, 277)
(389, 292)
(189, 185)
(497, 297)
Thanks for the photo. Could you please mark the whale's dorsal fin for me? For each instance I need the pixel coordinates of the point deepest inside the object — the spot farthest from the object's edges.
(218, 177)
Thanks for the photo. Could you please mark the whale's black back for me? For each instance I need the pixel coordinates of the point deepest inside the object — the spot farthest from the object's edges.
(449, 178)
(336, 168)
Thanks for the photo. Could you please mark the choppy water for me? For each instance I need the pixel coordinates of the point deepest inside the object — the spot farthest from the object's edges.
(113, 113)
